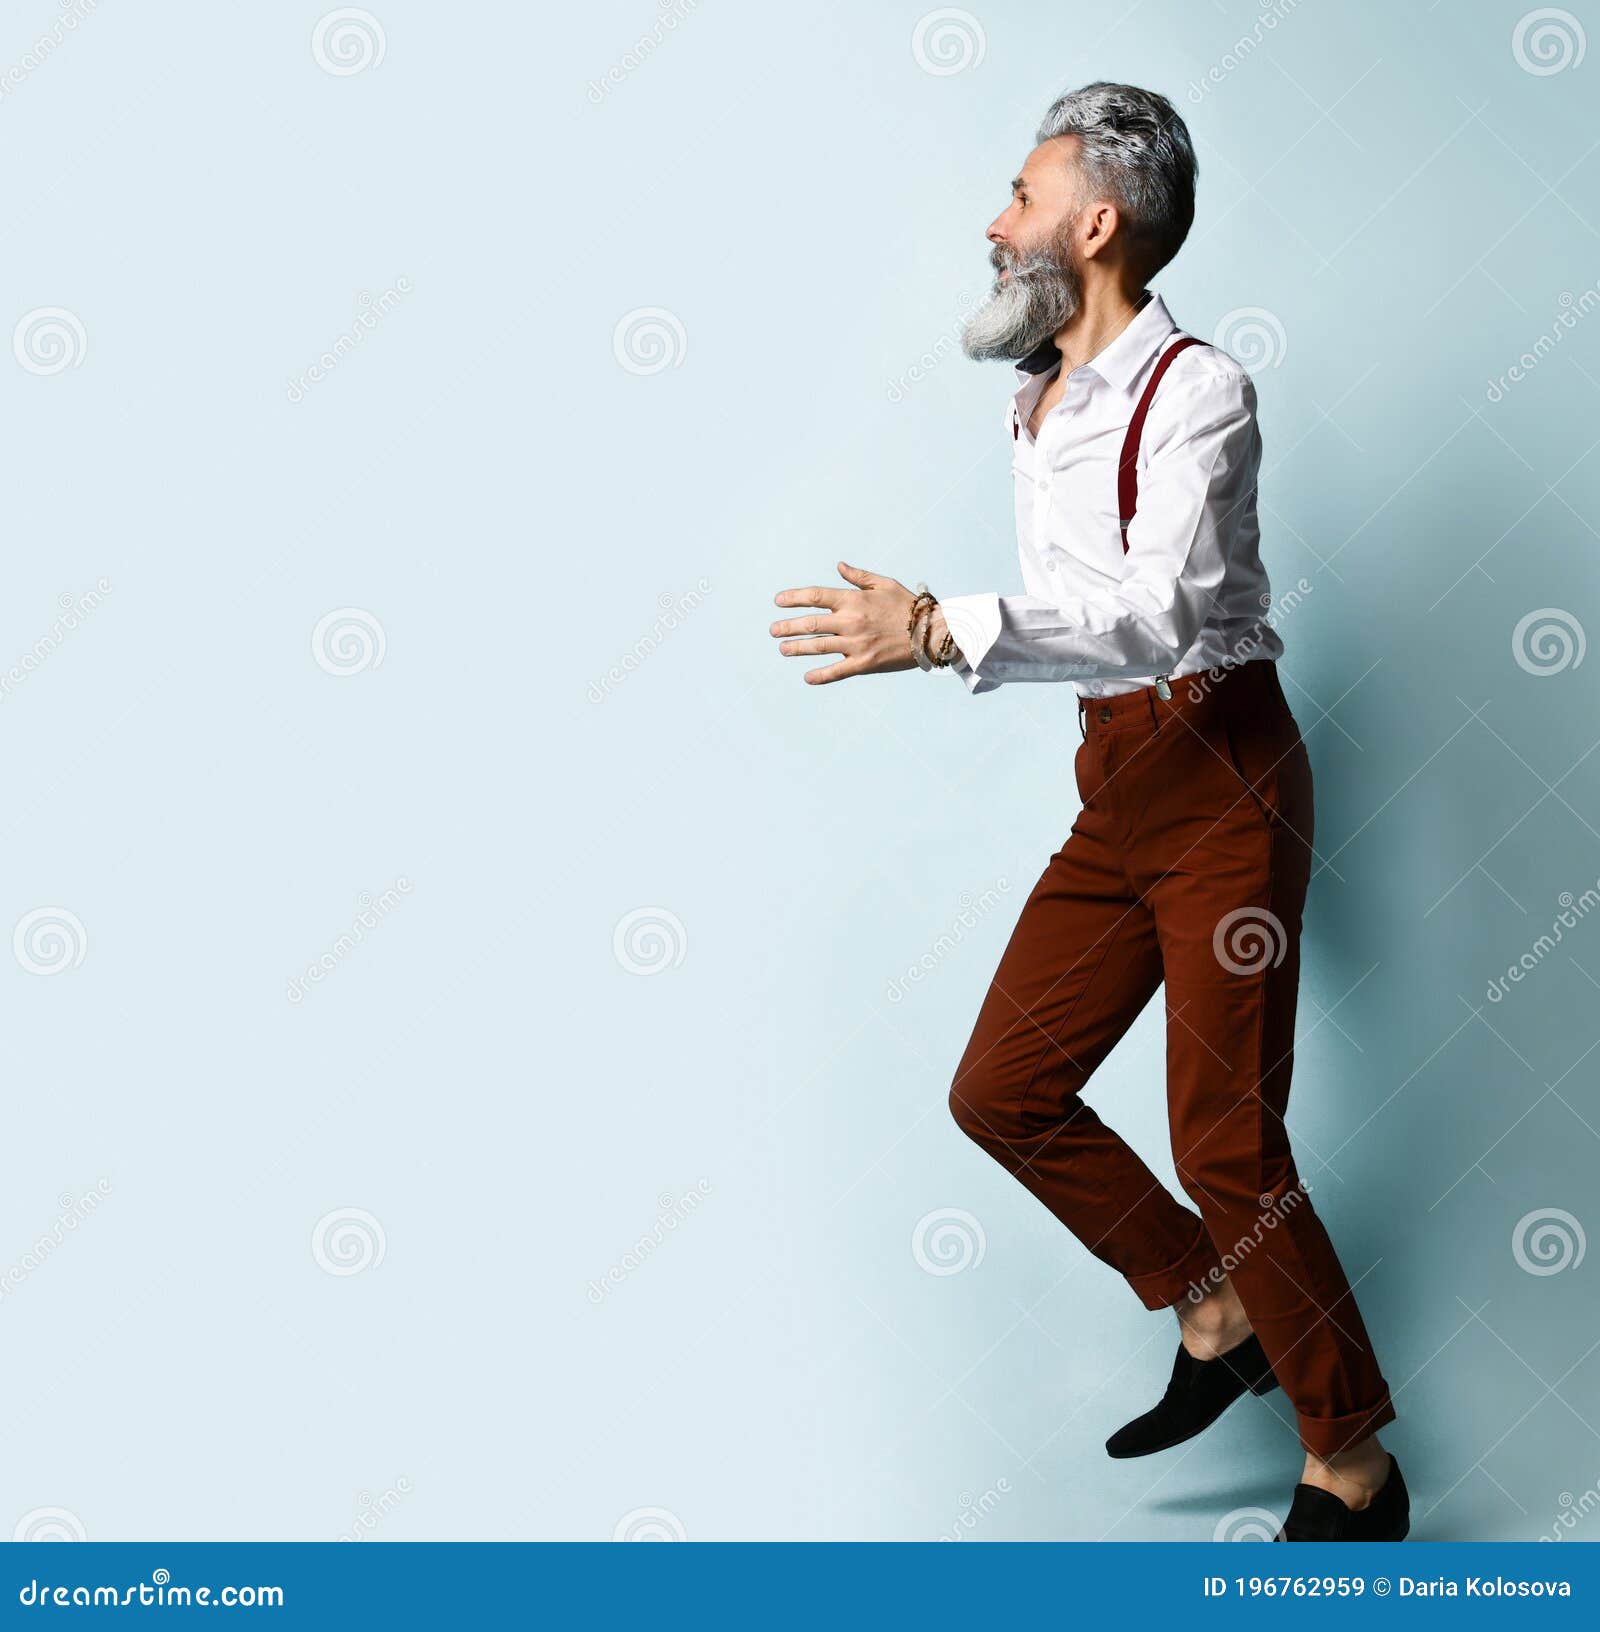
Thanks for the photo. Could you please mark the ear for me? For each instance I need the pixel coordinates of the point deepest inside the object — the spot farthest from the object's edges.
(1098, 225)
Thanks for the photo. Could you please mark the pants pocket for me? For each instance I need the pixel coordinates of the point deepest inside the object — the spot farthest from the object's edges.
(1257, 750)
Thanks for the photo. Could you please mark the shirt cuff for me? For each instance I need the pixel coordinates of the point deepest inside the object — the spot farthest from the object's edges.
(974, 625)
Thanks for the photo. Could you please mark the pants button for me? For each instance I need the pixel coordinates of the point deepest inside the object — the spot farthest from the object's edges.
(1105, 716)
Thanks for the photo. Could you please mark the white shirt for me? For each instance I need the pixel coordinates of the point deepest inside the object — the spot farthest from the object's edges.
(1190, 593)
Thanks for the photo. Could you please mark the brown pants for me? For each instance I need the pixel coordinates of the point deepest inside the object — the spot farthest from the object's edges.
(1188, 863)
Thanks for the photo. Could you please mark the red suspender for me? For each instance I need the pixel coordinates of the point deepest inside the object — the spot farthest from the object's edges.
(1128, 465)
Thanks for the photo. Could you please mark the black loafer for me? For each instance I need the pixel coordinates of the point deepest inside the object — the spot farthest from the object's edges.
(1200, 1391)
(1319, 1515)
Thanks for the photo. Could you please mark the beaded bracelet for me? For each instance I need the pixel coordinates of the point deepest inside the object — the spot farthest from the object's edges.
(918, 628)
(921, 607)
(919, 641)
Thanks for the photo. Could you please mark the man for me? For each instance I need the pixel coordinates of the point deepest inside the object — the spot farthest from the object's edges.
(1135, 453)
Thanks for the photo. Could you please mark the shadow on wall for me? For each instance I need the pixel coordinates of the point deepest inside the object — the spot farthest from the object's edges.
(1447, 933)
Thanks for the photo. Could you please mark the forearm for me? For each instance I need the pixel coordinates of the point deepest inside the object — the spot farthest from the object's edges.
(1139, 630)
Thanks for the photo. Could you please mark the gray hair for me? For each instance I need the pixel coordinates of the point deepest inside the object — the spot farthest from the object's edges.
(1133, 148)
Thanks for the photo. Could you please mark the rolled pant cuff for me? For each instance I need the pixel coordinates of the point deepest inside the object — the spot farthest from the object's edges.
(1195, 1271)
(1327, 1436)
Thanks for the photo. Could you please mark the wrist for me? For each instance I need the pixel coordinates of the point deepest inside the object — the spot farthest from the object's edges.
(922, 605)
(932, 646)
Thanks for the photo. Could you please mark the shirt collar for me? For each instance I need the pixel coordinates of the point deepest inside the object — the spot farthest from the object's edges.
(1119, 363)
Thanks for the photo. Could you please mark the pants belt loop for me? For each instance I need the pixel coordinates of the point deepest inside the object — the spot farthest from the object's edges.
(1155, 713)
(1083, 730)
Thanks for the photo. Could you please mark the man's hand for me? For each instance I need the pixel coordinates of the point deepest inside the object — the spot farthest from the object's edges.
(867, 624)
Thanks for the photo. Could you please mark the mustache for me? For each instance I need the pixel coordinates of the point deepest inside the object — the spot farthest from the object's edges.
(1026, 265)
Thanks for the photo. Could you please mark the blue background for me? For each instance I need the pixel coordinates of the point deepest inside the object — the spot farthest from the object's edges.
(501, 480)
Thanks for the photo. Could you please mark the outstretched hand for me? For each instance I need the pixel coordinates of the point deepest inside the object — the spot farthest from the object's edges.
(866, 624)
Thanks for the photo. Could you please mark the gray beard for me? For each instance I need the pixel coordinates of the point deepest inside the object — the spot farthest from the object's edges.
(1038, 298)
